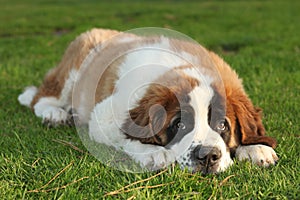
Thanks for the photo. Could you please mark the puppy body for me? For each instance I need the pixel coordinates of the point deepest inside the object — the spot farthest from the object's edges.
(157, 99)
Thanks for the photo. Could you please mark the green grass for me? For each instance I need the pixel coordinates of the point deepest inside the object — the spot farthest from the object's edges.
(260, 39)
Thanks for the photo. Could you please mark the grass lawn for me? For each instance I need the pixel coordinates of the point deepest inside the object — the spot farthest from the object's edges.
(260, 39)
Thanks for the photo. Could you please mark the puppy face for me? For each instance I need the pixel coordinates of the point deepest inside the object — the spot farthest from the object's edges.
(185, 117)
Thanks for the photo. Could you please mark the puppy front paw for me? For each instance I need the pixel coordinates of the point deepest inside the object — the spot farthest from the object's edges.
(54, 116)
(154, 159)
(261, 155)
(161, 159)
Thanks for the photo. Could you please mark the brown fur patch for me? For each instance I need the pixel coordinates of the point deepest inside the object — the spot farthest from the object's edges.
(150, 119)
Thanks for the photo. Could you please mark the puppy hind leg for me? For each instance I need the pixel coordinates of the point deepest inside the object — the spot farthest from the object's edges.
(52, 101)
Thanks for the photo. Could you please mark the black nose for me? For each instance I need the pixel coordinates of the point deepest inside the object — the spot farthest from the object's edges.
(207, 156)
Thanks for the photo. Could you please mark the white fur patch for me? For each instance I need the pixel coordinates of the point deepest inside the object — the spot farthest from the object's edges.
(27, 96)
(203, 134)
(66, 93)
(157, 54)
(259, 154)
(103, 127)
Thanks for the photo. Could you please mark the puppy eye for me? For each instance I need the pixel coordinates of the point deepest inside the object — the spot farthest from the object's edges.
(181, 125)
(222, 126)
(178, 125)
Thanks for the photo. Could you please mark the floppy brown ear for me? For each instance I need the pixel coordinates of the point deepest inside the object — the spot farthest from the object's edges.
(249, 122)
(146, 128)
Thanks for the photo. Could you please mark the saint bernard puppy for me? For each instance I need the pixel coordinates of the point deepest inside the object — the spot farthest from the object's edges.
(158, 99)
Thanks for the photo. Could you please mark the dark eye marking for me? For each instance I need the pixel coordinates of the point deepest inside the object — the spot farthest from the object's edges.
(181, 124)
(177, 125)
(217, 120)
(223, 128)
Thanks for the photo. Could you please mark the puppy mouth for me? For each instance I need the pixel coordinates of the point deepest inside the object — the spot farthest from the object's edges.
(207, 169)
(203, 169)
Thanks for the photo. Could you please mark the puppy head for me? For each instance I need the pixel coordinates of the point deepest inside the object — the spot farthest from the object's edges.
(180, 114)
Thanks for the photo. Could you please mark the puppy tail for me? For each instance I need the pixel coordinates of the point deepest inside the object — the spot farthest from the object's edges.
(27, 96)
